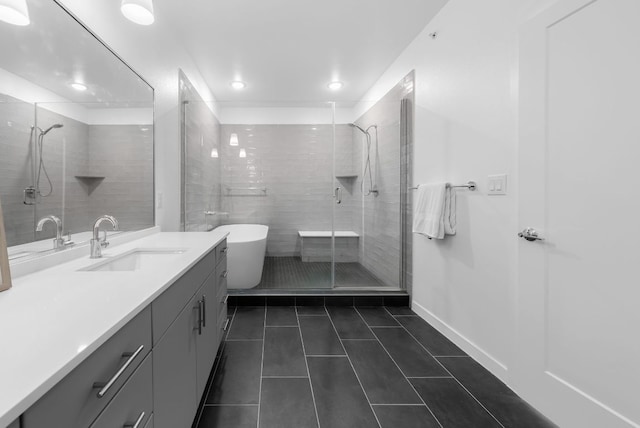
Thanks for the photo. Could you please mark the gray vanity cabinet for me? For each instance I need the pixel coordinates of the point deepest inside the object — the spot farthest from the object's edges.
(206, 332)
(15, 424)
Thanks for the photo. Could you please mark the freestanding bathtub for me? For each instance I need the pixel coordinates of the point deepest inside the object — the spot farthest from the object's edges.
(247, 245)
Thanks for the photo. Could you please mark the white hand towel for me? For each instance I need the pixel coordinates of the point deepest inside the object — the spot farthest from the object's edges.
(450, 211)
(428, 218)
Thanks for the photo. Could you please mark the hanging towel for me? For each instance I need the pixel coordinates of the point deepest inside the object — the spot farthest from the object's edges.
(435, 210)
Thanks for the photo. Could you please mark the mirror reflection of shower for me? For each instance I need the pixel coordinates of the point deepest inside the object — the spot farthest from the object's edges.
(373, 188)
(32, 193)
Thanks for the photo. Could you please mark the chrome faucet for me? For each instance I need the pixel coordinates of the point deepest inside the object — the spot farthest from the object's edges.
(59, 241)
(98, 244)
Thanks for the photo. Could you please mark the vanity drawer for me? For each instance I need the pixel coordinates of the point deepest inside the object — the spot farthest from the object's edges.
(74, 401)
(169, 304)
(133, 405)
(221, 252)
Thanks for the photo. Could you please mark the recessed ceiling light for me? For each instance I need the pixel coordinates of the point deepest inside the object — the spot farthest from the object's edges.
(14, 12)
(138, 11)
(238, 84)
(79, 86)
(335, 85)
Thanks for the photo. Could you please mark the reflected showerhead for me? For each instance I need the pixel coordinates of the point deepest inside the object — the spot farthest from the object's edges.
(356, 126)
(54, 126)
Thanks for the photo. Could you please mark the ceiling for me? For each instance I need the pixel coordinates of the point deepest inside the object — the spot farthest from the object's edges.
(287, 51)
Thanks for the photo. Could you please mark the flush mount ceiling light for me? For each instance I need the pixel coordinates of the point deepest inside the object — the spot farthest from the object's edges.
(243, 153)
(335, 85)
(14, 12)
(233, 140)
(138, 11)
(238, 85)
(79, 86)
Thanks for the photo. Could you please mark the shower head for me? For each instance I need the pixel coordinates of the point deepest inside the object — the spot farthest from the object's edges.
(54, 126)
(356, 126)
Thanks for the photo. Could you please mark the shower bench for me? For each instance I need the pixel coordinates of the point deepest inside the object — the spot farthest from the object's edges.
(315, 246)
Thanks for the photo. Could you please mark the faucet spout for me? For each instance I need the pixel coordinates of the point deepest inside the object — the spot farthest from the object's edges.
(98, 244)
(59, 242)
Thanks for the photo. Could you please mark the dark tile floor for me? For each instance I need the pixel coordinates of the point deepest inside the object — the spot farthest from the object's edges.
(292, 272)
(351, 367)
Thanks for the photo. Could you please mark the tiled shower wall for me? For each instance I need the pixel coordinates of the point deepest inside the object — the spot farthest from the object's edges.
(120, 153)
(202, 169)
(285, 181)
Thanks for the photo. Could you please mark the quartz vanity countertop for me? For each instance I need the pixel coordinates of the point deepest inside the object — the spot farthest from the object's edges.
(51, 320)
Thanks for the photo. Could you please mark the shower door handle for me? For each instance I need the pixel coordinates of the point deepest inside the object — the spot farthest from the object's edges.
(338, 195)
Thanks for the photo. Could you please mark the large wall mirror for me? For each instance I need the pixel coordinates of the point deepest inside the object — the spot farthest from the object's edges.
(76, 133)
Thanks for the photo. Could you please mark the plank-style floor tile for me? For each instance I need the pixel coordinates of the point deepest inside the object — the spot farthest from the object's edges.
(380, 377)
(319, 336)
(378, 317)
(229, 417)
(340, 401)
(435, 342)
(502, 402)
(412, 359)
(400, 310)
(405, 417)
(287, 403)
(452, 405)
(311, 310)
(281, 316)
(348, 323)
(283, 354)
(237, 379)
(248, 323)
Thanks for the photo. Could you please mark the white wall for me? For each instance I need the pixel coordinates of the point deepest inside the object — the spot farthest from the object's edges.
(156, 56)
(465, 129)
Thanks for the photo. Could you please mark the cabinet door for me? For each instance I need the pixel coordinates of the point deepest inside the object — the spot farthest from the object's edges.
(174, 374)
(207, 336)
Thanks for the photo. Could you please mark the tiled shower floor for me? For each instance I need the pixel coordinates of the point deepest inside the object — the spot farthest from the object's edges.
(292, 272)
(351, 367)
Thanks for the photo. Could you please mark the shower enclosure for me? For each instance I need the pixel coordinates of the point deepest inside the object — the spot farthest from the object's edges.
(333, 191)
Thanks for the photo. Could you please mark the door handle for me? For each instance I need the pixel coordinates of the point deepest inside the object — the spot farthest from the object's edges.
(530, 234)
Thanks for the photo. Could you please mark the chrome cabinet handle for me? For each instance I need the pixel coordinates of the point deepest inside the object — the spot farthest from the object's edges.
(204, 310)
(530, 234)
(224, 250)
(226, 324)
(225, 273)
(199, 308)
(226, 297)
(104, 387)
(338, 195)
(137, 423)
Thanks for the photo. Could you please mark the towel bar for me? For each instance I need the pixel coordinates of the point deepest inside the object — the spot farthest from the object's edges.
(471, 185)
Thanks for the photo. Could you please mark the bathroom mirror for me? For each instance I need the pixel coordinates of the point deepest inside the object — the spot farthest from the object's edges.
(76, 134)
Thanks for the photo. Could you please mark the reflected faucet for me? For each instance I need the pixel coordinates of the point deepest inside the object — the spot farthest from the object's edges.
(59, 241)
(98, 244)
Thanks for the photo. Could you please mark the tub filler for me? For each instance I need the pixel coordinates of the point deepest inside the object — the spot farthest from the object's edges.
(247, 245)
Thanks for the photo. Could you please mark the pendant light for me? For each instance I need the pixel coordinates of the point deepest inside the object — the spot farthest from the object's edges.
(138, 11)
(233, 140)
(14, 12)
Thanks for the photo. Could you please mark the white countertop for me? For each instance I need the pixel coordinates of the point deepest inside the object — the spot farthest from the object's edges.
(51, 320)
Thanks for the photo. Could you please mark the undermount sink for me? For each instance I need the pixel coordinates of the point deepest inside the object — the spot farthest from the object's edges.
(136, 259)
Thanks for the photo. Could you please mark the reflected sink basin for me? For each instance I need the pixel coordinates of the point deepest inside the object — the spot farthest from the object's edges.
(137, 259)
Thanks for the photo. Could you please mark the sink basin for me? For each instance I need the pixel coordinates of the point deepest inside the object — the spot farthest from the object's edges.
(137, 259)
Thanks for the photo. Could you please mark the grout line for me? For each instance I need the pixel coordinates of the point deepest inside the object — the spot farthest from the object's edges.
(231, 405)
(244, 340)
(384, 326)
(306, 363)
(362, 340)
(408, 381)
(281, 326)
(354, 369)
(451, 356)
(405, 405)
(215, 369)
(428, 377)
(325, 356)
(455, 378)
(284, 377)
(264, 340)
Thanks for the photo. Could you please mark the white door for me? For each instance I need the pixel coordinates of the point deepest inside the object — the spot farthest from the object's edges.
(578, 355)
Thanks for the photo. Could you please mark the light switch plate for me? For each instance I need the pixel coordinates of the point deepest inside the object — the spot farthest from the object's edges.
(497, 184)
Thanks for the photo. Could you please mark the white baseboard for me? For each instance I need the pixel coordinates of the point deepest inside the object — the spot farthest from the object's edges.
(498, 369)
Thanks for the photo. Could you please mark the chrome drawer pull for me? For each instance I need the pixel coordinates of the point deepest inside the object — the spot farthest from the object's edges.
(226, 297)
(137, 422)
(104, 387)
(225, 273)
(224, 250)
(226, 324)
(199, 308)
(204, 311)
